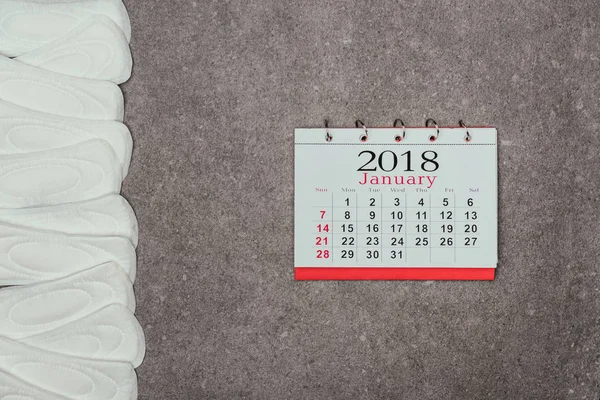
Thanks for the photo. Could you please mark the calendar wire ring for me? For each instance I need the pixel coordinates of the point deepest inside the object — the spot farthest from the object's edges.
(399, 138)
(365, 136)
(328, 137)
(433, 138)
(462, 125)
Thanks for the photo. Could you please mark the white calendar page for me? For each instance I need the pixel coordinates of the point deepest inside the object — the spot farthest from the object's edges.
(383, 209)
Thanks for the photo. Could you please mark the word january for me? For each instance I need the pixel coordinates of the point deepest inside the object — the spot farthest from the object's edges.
(397, 180)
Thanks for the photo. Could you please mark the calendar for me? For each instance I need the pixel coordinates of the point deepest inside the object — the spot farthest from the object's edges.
(396, 203)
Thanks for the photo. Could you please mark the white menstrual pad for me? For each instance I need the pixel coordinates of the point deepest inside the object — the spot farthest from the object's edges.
(81, 172)
(26, 25)
(24, 131)
(31, 256)
(112, 334)
(109, 215)
(73, 378)
(59, 94)
(41, 307)
(96, 49)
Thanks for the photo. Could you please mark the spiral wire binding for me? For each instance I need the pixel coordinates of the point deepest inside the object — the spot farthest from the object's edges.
(399, 123)
(462, 125)
(399, 138)
(433, 138)
(328, 137)
(365, 136)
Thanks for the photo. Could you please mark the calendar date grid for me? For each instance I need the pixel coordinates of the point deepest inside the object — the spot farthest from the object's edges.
(361, 234)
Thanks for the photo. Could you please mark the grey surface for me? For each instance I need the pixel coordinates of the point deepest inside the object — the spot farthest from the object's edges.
(217, 90)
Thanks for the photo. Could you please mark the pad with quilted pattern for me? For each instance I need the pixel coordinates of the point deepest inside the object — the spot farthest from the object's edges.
(96, 49)
(26, 25)
(59, 94)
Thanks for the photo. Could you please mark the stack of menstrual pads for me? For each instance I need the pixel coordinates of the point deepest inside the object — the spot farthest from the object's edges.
(67, 238)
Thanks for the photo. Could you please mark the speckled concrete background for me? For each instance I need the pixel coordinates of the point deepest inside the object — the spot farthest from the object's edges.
(217, 90)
